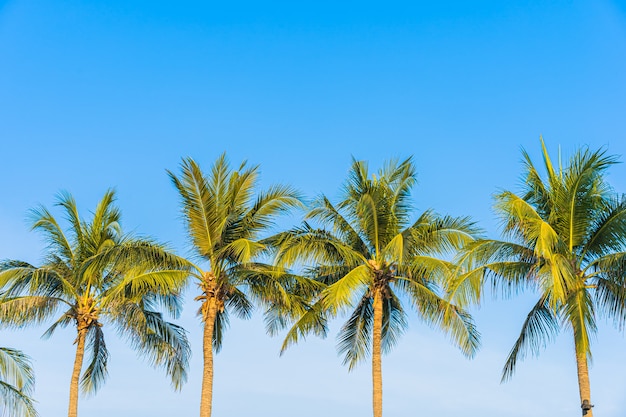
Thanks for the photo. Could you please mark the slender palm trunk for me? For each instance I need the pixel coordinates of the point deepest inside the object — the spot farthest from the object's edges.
(206, 400)
(377, 372)
(78, 364)
(583, 384)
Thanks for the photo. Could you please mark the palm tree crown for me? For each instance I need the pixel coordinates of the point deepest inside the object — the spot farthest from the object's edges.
(225, 219)
(370, 256)
(94, 275)
(566, 239)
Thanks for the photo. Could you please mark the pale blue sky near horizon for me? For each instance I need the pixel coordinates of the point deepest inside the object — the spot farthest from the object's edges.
(111, 94)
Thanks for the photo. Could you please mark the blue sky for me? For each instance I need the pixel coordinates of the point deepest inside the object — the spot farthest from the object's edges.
(111, 94)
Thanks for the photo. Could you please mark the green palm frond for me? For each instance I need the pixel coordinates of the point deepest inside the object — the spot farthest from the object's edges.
(314, 320)
(394, 322)
(222, 322)
(609, 231)
(162, 343)
(165, 345)
(611, 294)
(355, 336)
(63, 321)
(239, 304)
(540, 327)
(14, 403)
(57, 241)
(96, 373)
(16, 384)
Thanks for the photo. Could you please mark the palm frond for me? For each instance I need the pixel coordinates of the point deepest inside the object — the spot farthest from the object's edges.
(96, 373)
(439, 313)
(198, 206)
(314, 320)
(16, 384)
(340, 295)
(539, 328)
(354, 339)
(579, 314)
(16, 312)
(161, 343)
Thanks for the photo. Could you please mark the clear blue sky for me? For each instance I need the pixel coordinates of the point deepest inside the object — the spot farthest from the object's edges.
(111, 94)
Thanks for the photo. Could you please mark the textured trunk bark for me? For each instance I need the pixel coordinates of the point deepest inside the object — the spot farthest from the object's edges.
(207, 376)
(583, 384)
(377, 373)
(78, 364)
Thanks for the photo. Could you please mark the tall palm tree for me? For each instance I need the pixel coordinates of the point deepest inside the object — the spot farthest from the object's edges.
(370, 256)
(95, 276)
(16, 384)
(225, 220)
(566, 238)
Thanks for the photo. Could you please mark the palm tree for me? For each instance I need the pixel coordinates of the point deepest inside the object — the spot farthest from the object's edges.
(16, 384)
(566, 238)
(370, 256)
(224, 221)
(92, 276)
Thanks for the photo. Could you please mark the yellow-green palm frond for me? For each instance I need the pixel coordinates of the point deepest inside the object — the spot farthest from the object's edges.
(17, 278)
(328, 215)
(57, 241)
(241, 250)
(199, 207)
(260, 216)
(341, 294)
(579, 314)
(438, 312)
(17, 382)
(27, 310)
(314, 246)
(441, 235)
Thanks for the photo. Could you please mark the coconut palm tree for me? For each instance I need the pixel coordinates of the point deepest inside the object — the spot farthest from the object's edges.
(566, 238)
(225, 219)
(370, 256)
(95, 276)
(16, 384)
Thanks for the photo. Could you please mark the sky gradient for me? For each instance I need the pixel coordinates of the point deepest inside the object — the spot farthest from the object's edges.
(100, 94)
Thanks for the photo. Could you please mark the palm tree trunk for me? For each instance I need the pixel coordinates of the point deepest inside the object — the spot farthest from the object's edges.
(78, 364)
(207, 377)
(583, 384)
(377, 373)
